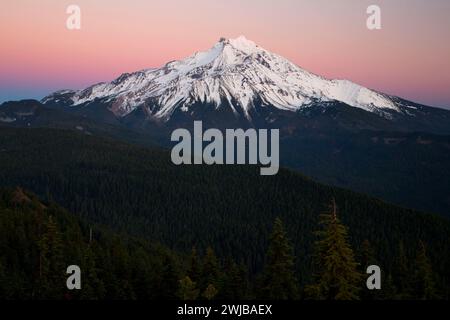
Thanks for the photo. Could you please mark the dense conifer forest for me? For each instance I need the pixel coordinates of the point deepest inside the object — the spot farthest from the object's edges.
(161, 231)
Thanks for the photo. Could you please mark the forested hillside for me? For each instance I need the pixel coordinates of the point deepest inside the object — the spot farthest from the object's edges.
(38, 241)
(335, 144)
(230, 208)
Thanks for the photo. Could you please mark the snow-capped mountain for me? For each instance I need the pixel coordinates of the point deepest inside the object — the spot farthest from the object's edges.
(235, 74)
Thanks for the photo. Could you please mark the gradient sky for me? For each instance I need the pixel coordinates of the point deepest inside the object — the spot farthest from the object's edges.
(409, 57)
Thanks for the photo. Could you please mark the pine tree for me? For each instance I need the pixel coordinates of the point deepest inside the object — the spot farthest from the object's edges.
(122, 287)
(194, 270)
(211, 273)
(389, 291)
(51, 268)
(336, 273)
(366, 255)
(93, 287)
(187, 289)
(402, 274)
(423, 281)
(235, 284)
(278, 280)
(169, 284)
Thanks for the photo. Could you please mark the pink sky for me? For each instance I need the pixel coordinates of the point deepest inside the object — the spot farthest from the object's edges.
(409, 57)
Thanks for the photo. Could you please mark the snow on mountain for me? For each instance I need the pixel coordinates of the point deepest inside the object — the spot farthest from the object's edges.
(234, 73)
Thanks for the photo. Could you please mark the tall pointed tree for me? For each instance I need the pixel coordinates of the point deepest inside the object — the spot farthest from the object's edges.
(170, 275)
(366, 255)
(235, 284)
(336, 275)
(51, 268)
(424, 286)
(389, 291)
(93, 287)
(402, 274)
(211, 271)
(278, 279)
(194, 269)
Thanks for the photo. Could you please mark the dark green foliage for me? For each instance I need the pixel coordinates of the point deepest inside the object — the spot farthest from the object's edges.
(169, 285)
(194, 269)
(336, 275)
(278, 280)
(139, 193)
(366, 257)
(408, 169)
(39, 241)
(424, 283)
(235, 285)
(402, 274)
(51, 269)
(211, 272)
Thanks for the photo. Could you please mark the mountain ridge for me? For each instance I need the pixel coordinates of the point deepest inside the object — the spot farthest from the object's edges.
(233, 74)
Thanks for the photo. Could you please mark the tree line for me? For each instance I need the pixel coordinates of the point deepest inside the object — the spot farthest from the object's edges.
(38, 240)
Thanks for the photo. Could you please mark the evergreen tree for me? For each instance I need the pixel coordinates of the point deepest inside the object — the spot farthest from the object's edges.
(278, 280)
(169, 284)
(336, 273)
(402, 274)
(424, 283)
(211, 273)
(389, 291)
(235, 284)
(121, 288)
(194, 271)
(93, 287)
(187, 289)
(366, 256)
(51, 267)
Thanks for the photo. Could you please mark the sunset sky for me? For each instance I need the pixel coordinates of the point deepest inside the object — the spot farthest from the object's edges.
(409, 57)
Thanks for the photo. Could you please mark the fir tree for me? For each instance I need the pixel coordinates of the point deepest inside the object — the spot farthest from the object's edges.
(169, 284)
(211, 273)
(402, 274)
(366, 256)
(336, 273)
(389, 291)
(93, 287)
(424, 283)
(278, 280)
(235, 284)
(194, 270)
(51, 268)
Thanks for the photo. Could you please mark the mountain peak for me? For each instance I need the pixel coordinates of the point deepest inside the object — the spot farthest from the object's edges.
(240, 43)
(236, 74)
(240, 38)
